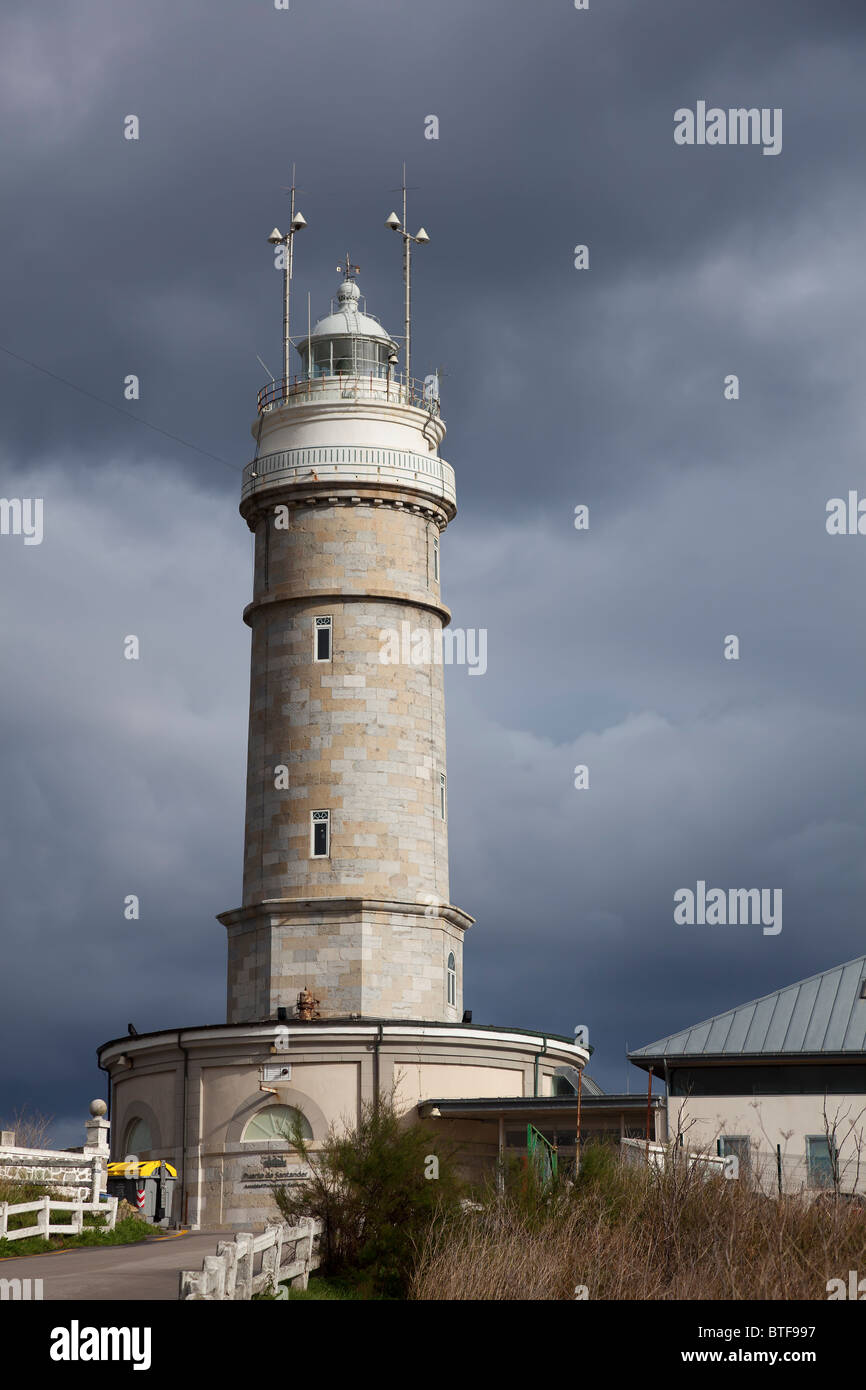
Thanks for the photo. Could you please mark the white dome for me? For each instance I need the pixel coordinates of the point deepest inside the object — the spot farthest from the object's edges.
(348, 319)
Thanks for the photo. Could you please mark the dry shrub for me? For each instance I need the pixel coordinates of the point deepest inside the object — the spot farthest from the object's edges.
(637, 1233)
(32, 1129)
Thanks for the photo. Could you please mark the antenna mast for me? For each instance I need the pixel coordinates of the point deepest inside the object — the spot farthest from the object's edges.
(420, 239)
(297, 222)
(407, 288)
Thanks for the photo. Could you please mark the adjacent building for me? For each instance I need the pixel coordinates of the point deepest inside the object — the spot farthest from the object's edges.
(780, 1082)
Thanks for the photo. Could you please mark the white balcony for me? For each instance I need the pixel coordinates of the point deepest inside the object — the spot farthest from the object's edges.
(352, 464)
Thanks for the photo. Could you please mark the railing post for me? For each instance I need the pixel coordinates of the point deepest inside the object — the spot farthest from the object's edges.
(214, 1277)
(271, 1259)
(227, 1250)
(191, 1285)
(4, 1219)
(44, 1218)
(304, 1251)
(244, 1289)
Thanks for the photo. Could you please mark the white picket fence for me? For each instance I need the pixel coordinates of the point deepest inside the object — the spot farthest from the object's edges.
(659, 1155)
(236, 1272)
(44, 1207)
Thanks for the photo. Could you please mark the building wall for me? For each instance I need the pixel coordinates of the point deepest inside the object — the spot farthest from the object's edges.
(769, 1121)
(227, 1181)
(419, 1080)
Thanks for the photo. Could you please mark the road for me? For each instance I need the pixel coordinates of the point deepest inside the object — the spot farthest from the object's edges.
(148, 1270)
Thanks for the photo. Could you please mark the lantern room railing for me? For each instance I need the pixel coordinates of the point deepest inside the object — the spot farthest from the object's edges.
(391, 387)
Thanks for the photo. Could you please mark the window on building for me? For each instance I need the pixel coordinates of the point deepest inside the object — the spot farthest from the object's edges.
(322, 631)
(436, 558)
(443, 801)
(819, 1160)
(275, 1122)
(737, 1144)
(138, 1138)
(320, 834)
(452, 980)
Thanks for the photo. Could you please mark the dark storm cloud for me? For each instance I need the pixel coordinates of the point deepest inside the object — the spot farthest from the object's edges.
(602, 387)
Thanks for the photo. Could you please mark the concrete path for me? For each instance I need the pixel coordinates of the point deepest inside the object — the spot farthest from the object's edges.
(148, 1270)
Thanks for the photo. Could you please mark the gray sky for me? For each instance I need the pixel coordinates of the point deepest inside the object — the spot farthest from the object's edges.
(603, 387)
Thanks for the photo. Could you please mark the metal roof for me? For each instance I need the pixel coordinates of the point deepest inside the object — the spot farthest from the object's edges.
(823, 1014)
(522, 1106)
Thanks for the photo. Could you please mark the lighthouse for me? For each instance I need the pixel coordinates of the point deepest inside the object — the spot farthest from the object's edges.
(345, 891)
(345, 957)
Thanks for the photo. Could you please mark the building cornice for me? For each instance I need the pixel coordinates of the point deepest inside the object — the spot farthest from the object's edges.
(294, 593)
(363, 1032)
(339, 907)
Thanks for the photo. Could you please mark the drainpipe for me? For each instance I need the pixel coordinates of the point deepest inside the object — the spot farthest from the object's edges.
(376, 1082)
(183, 1196)
(667, 1101)
(538, 1055)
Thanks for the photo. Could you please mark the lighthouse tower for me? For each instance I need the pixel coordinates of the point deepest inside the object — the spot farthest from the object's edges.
(345, 891)
(345, 958)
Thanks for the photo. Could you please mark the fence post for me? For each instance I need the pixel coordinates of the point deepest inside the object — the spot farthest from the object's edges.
(304, 1251)
(244, 1288)
(272, 1257)
(190, 1285)
(4, 1219)
(44, 1218)
(96, 1148)
(228, 1253)
(214, 1277)
(112, 1213)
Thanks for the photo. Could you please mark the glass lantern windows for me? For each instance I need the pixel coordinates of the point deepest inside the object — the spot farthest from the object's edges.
(347, 356)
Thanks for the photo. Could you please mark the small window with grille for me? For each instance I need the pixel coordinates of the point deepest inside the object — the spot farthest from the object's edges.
(320, 834)
(322, 633)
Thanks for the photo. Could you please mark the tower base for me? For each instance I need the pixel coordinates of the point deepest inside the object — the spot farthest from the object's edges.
(360, 957)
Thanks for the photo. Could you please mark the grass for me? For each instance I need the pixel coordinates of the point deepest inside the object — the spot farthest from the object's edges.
(637, 1234)
(321, 1288)
(324, 1288)
(128, 1230)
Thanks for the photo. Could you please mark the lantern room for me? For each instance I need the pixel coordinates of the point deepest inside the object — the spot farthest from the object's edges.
(348, 342)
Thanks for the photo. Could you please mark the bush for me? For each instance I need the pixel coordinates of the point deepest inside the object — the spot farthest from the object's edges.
(369, 1188)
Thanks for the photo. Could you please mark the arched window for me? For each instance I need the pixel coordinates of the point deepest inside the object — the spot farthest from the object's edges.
(452, 980)
(138, 1137)
(274, 1122)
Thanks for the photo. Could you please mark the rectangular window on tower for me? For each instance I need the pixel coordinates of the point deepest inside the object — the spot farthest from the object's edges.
(436, 558)
(322, 632)
(320, 834)
(442, 795)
